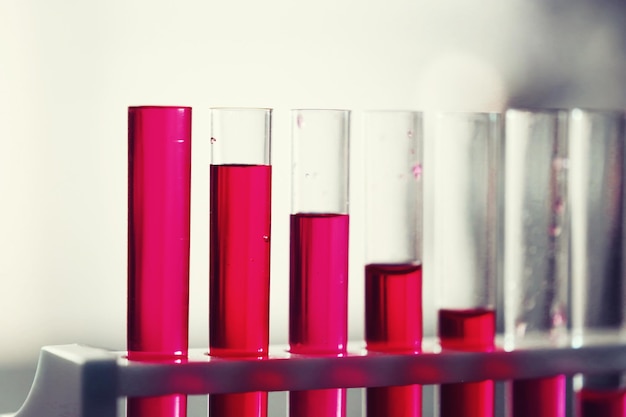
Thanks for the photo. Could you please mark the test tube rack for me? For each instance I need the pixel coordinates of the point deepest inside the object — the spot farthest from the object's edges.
(82, 381)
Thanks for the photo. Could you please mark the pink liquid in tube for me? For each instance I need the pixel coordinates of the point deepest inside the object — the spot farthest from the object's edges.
(321, 402)
(605, 403)
(239, 275)
(468, 330)
(318, 312)
(541, 397)
(246, 405)
(319, 283)
(393, 323)
(393, 313)
(165, 406)
(402, 401)
(240, 260)
(159, 169)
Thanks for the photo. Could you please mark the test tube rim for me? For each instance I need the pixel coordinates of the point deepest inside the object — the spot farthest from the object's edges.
(159, 107)
(234, 109)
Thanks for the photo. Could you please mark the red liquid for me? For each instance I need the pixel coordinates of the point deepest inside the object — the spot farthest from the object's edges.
(469, 330)
(393, 323)
(159, 174)
(239, 275)
(595, 403)
(236, 405)
(318, 303)
(393, 308)
(540, 397)
(240, 260)
(403, 401)
(317, 403)
(166, 406)
(318, 308)
(158, 236)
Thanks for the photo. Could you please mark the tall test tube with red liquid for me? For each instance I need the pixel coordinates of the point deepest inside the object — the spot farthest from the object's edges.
(464, 150)
(536, 254)
(596, 173)
(241, 179)
(318, 293)
(159, 174)
(393, 250)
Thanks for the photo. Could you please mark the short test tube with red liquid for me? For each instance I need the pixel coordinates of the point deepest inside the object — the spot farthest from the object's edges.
(318, 293)
(393, 250)
(240, 204)
(536, 250)
(463, 181)
(596, 174)
(159, 174)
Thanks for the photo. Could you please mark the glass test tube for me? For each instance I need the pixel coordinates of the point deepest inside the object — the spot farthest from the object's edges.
(393, 250)
(597, 214)
(159, 175)
(318, 311)
(536, 238)
(241, 179)
(464, 263)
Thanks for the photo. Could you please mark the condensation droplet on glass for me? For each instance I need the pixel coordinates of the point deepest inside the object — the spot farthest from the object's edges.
(560, 164)
(417, 171)
(213, 140)
(266, 238)
(300, 121)
(558, 319)
(559, 206)
(409, 134)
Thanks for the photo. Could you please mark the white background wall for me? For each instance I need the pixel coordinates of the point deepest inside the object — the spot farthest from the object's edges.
(70, 68)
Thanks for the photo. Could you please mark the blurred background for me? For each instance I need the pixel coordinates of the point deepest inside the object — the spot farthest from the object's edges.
(69, 69)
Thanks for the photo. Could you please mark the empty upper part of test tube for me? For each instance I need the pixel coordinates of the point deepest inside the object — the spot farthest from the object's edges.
(320, 161)
(536, 226)
(464, 175)
(596, 174)
(241, 136)
(393, 186)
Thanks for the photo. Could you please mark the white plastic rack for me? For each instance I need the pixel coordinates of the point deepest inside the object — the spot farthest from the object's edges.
(82, 381)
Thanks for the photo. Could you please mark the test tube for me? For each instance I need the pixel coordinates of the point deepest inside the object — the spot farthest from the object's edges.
(159, 174)
(536, 255)
(393, 250)
(318, 293)
(464, 149)
(240, 201)
(597, 214)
